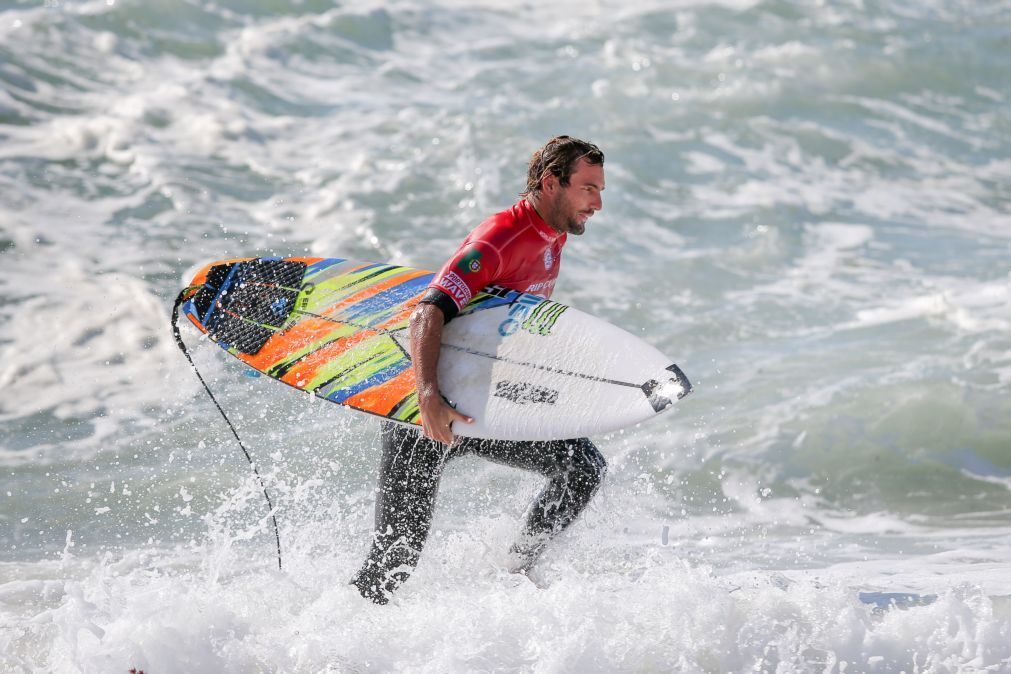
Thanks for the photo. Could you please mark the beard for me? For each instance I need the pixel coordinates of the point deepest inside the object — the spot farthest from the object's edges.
(572, 221)
(576, 227)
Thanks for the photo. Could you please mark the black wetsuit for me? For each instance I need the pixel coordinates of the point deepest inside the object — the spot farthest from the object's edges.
(409, 479)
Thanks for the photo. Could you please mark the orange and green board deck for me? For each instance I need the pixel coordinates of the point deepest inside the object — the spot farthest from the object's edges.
(323, 325)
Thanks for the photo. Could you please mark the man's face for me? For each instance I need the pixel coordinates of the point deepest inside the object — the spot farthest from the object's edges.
(571, 206)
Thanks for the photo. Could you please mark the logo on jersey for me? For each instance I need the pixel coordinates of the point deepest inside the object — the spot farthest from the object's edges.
(549, 258)
(456, 288)
(542, 288)
(471, 262)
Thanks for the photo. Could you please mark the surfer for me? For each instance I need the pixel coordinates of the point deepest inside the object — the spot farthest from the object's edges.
(519, 249)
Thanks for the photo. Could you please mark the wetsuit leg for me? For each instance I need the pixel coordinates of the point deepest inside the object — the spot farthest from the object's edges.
(574, 468)
(408, 481)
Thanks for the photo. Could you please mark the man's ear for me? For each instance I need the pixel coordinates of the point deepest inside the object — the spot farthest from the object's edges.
(549, 183)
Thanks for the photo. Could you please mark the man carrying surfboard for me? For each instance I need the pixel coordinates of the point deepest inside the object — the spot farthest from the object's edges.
(519, 249)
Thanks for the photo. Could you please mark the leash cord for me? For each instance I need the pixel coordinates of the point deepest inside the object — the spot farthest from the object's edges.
(183, 296)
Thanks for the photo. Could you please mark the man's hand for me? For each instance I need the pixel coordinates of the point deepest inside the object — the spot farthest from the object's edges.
(426, 340)
(437, 418)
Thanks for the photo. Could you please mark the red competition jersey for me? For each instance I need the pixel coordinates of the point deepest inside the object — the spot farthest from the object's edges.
(515, 249)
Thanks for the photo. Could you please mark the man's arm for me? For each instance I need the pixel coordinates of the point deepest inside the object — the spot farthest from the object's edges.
(425, 331)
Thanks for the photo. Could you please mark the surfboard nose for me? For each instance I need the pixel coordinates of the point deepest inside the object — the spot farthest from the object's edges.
(662, 394)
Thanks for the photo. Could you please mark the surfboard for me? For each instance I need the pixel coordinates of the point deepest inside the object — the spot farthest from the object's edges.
(525, 367)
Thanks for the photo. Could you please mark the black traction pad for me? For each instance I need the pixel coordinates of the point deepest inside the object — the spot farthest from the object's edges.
(243, 303)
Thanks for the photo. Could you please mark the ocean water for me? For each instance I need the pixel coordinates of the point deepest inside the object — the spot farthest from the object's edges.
(808, 208)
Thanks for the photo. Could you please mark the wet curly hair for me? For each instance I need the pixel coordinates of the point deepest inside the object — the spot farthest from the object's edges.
(558, 157)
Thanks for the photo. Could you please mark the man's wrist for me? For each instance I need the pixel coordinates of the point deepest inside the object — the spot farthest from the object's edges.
(427, 392)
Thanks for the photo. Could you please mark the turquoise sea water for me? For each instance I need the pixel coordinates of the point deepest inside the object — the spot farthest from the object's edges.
(808, 207)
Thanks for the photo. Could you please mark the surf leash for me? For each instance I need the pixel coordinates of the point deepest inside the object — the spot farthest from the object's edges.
(183, 296)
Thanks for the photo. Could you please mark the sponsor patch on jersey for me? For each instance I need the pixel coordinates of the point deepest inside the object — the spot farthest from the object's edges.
(471, 262)
(456, 288)
(549, 258)
(542, 288)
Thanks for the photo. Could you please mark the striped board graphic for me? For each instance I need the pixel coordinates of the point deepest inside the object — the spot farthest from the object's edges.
(524, 367)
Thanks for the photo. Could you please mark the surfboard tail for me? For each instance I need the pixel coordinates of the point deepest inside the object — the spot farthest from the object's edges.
(243, 304)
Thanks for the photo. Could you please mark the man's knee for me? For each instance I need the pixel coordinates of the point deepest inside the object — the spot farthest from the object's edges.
(587, 466)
